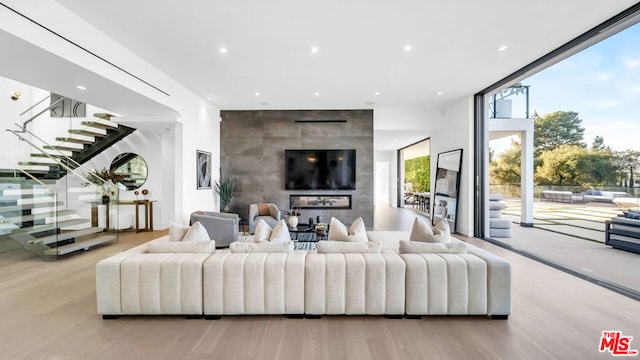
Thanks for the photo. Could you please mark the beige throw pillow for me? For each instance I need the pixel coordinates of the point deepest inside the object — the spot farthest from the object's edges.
(206, 247)
(357, 231)
(280, 233)
(422, 231)
(263, 231)
(197, 233)
(263, 209)
(339, 232)
(177, 231)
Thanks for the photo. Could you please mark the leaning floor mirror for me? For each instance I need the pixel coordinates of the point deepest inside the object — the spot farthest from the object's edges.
(445, 201)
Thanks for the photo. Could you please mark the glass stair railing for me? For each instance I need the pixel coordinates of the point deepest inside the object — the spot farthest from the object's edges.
(51, 204)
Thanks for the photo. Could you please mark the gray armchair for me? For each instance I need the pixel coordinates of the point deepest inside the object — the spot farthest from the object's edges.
(222, 227)
(254, 217)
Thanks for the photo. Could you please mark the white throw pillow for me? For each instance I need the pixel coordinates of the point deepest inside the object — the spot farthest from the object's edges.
(356, 233)
(420, 247)
(177, 231)
(441, 231)
(337, 230)
(263, 231)
(197, 233)
(280, 233)
(262, 247)
(422, 231)
(206, 247)
(343, 247)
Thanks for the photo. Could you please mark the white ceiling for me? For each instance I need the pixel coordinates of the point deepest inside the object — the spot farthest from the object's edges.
(454, 50)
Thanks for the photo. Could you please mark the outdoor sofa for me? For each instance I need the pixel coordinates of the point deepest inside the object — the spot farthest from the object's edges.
(603, 196)
(623, 231)
(562, 196)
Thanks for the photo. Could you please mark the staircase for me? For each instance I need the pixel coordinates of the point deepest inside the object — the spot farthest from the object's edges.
(80, 145)
(31, 214)
(32, 210)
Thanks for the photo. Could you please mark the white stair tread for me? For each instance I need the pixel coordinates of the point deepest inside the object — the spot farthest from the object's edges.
(86, 189)
(41, 205)
(46, 227)
(27, 201)
(47, 216)
(62, 236)
(80, 245)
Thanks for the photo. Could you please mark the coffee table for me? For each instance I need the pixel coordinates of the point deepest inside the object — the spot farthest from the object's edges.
(305, 237)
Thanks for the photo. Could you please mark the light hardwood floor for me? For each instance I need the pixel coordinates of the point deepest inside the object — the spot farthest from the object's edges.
(48, 311)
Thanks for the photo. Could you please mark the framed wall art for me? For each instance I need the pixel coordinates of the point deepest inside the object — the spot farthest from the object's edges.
(203, 169)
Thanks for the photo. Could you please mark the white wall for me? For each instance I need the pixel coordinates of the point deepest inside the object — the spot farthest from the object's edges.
(196, 125)
(458, 134)
(12, 148)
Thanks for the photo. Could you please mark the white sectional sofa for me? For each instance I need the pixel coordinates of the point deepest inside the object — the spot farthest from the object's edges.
(254, 283)
(354, 284)
(136, 282)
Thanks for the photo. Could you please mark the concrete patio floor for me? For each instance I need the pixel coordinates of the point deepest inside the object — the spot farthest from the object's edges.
(572, 235)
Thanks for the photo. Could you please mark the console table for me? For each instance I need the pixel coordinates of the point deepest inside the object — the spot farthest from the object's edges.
(148, 213)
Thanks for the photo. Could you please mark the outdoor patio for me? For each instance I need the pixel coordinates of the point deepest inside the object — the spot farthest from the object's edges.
(572, 235)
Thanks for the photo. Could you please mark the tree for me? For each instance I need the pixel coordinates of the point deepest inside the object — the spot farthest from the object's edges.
(506, 168)
(575, 165)
(598, 143)
(556, 129)
(626, 162)
(559, 166)
(595, 169)
(417, 171)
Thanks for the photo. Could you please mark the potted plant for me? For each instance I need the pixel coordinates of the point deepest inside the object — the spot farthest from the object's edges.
(106, 178)
(225, 188)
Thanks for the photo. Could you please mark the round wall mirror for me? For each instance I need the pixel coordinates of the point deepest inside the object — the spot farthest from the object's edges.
(133, 168)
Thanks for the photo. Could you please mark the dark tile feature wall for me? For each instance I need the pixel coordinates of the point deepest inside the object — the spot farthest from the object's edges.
(252, 149)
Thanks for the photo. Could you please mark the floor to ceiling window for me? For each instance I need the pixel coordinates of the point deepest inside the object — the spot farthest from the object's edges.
(562, 156)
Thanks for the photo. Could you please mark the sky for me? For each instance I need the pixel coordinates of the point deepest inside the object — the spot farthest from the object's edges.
(601, 84)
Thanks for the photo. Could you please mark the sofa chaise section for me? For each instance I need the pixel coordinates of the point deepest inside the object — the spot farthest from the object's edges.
(475, 283)
(254, 284)
(162, 284)
(136, 282)
(108, 284)
(354, 284)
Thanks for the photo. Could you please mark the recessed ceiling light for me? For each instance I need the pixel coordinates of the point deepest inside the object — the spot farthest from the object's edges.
(407, 48)
(317, 93)
(81, 87)
(376, 93)
(223, 50)
(503, 48)
(257, 93)
(440, 93)
(314, 49)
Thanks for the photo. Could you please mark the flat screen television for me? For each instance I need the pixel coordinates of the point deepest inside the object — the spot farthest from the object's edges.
(320, 169)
